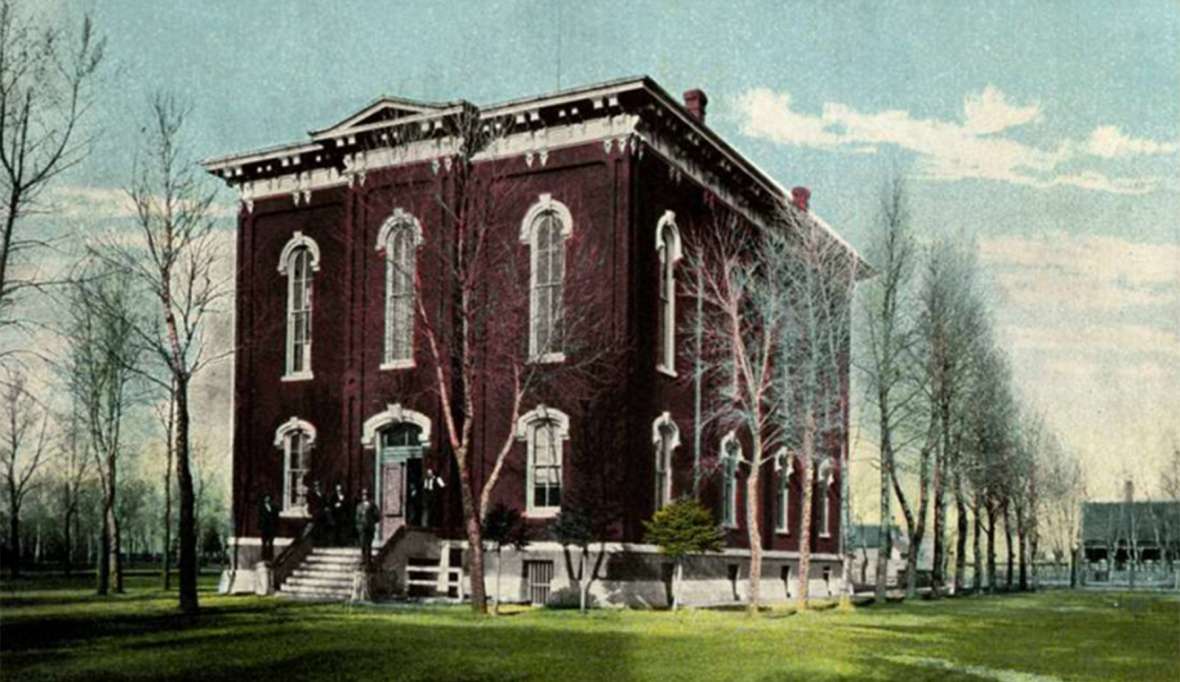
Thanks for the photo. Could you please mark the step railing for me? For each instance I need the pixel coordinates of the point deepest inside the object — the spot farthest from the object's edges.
(444, 578)
(292, 555)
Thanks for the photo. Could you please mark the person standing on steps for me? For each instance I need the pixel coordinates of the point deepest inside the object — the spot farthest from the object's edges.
(432, 485)
(366, 526)
(338, 507)
(268, 520)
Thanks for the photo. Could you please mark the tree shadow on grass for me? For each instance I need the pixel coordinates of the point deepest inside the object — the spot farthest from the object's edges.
(343, 647)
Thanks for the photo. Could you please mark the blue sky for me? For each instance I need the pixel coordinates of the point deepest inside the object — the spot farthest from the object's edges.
(1047, 132)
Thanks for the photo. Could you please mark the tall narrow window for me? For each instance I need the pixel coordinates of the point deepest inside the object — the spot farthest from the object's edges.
(668, 246)
(823, 483)
(731, 454)
(545, 431)
(783, 497)
(295, 438)
(665, 438)
(299, 260)
(398, 239)
(545, 228)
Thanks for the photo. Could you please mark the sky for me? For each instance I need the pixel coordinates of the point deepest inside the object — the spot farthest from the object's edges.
(1048, 134)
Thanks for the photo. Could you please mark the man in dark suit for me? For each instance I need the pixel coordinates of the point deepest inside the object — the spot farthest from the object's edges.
(338, 505)
(268, 521)
(366, 526)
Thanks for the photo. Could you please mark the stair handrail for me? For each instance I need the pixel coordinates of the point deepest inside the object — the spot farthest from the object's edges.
(387, 546)
(292, 555)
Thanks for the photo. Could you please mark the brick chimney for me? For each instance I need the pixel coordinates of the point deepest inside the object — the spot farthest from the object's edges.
(1129, 492)
(801, 197)
(695, 101)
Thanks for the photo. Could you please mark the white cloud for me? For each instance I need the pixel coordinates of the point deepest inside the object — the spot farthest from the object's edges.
(947, 150)
(990, 112)
(1110, 142)
(1060, 271)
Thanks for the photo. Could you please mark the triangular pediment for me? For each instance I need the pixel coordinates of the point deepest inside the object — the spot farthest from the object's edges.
(379, 111)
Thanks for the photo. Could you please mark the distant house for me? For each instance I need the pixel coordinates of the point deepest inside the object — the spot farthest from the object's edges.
(1117, 535)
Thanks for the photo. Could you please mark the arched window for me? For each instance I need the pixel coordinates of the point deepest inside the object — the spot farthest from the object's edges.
(299, 260)
(545, 431)
(823, 483)
(545, 228)
(295, 437)
(665, 438)
(668, 247)
(398, 240)
(783, 465)
(731, 455)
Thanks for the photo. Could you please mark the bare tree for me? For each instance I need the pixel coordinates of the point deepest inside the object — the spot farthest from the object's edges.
(889, 342)
(483, 340)
(167, 420)
(948, 323)
(47, 82)
(99, 366)
(23, 443)
(72, 474)
(173, 257)
(742, 291)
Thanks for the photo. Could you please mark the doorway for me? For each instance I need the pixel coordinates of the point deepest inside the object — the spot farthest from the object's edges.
(399, 477)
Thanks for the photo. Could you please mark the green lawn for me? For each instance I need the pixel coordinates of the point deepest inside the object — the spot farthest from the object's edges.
(59, 631)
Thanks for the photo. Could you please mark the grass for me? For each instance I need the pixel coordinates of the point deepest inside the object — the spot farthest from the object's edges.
(55, 629)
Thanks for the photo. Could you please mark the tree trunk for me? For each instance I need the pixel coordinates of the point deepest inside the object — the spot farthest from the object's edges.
(1021, 538)
(499, 571)
(961, 538)
(186, 529)
(753, 527)
(977, 552)
(479, 603)
(805, 523)
(991, 548)
(885, 548)
(583, 583)
(167, 557)
(679, 583)
(14, 539)
(67, 563)
(937, 579)
(1008, 546)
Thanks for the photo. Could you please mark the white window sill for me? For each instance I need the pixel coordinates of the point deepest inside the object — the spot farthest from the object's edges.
(298, 376)
(825, 535)
(547, 358)
(294, 513)
(729, 526)
(543, 513)
(405, 363)
(667, 371)
(780, 531)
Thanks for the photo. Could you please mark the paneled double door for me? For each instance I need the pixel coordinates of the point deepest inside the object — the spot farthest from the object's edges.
(400, 494)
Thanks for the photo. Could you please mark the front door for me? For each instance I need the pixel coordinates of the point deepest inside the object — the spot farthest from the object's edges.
(399, 477)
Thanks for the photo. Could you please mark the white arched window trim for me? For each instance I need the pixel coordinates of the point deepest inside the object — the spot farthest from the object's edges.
(663, 456)
(298, 243)
(527, 428)
(823, 481)
(397, 221)
(784, 466)
(528, 234)
(299, 240)
(285, 437)
(729, 467)
(669, 250)
(393, 414)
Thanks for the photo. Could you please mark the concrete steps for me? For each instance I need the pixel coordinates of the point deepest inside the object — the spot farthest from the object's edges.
(326, 574)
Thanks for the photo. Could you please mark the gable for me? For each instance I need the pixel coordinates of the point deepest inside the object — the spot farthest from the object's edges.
(381, 110)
